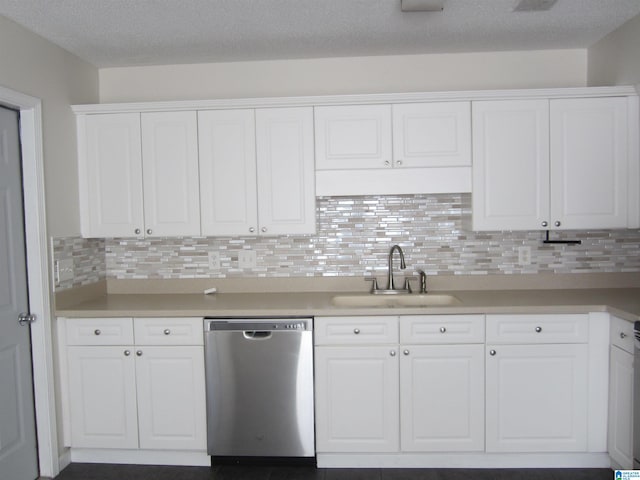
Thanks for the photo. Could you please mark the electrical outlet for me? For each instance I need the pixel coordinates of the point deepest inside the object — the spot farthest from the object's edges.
(524, 255)
(247, 259)
(64, 270)
(214, 260)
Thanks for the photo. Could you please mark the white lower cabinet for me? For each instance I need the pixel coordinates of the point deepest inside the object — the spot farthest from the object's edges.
(536, 398)
(375, 393)
(442, 398)
(357, 409)
(102, 397)
(146, 394)
(620, 434)
(537, 383)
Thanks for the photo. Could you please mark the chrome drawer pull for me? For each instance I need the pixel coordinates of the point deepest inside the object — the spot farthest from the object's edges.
(127, 353)
(443, 329)
(538, 329)
(492, 352)
(623, 335)
(167, 331)
(139, 353)
(356, 331)
(97, 331)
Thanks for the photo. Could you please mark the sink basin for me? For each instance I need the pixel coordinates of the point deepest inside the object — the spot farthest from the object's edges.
(386, 301)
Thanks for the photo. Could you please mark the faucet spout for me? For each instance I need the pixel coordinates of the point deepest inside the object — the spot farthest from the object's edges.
(390, 284)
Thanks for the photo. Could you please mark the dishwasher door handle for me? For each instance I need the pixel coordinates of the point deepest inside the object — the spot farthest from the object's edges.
(256, 334)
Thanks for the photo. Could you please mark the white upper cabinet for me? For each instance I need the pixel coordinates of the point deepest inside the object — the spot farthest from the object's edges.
(285, 168)
(354, 136)
(551, 164)
(228, 172)
(510, 164)
(139, 174)
(434, 134)
(589, 163)
(170, 173)
(110, 171)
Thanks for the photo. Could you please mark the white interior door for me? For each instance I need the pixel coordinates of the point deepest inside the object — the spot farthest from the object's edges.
(18, 450)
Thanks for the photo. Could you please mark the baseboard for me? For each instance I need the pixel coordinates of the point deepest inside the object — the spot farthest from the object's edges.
(140, 457)
(465, 460)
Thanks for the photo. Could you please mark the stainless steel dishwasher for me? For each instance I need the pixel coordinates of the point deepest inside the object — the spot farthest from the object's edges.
(259, 375)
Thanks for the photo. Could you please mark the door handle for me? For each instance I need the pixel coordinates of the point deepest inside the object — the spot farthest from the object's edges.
(26, 318)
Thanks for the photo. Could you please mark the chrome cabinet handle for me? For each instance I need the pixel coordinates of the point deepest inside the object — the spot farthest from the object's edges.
(392, 353)
(406, 352)
(387, 163)
(149, 231)
(545, 224)
(263, 229)
(399, 162)
(356, 331)
(139, 353)
(492, 352)
(623, 335)
(167, 331)
(127, 353)
(252, 229)
(538, 329)
(443, 329)
(137, 231)
(557, 224)
(97, 331)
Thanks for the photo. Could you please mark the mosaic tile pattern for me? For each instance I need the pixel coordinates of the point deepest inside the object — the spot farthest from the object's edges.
(354, 237)
(88, 256)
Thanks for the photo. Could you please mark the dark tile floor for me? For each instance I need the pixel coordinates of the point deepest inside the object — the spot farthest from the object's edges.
(81, 471)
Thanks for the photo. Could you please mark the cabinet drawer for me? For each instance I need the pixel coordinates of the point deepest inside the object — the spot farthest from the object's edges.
(169, 331)
(621, 334)
(356, 330)
(537, 329)
(99, 331)
(442, 329)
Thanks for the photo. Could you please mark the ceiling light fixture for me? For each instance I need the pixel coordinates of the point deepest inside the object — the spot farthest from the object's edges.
(534, 5)
(422, 5)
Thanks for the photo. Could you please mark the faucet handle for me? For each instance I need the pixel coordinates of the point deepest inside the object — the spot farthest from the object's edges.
(374, 283)
(407, 285)
(423, 281)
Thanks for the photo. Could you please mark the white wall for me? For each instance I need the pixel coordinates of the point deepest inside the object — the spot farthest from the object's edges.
(384, 74)
(615, 60)
(33, 66)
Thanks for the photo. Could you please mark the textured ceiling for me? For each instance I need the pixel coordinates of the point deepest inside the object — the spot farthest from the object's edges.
(111, 33)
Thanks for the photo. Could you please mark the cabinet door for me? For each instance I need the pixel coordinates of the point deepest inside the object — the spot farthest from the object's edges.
(510, 165)
(110, 175)
(357, 406)
(536, 398)
(286, 185)
(171, 398)
(589, 163)
(354, 136)
(228, 172)
(170, 165)
(102, 397)
(432, 134)
(442, 398)
(620, 437)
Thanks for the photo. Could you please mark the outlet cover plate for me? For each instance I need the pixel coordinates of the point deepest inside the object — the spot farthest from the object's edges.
(214, 261)
(64, 270)
(247, 259)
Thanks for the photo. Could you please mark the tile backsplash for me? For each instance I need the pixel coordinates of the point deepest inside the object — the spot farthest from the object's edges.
(353, 239)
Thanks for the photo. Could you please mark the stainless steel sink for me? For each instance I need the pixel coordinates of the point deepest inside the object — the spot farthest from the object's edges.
(417, 300)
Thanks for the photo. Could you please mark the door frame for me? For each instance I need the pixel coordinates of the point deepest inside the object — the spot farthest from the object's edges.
(38, 275)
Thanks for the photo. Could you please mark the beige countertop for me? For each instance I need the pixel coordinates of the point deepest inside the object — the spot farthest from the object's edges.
(623, 302)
